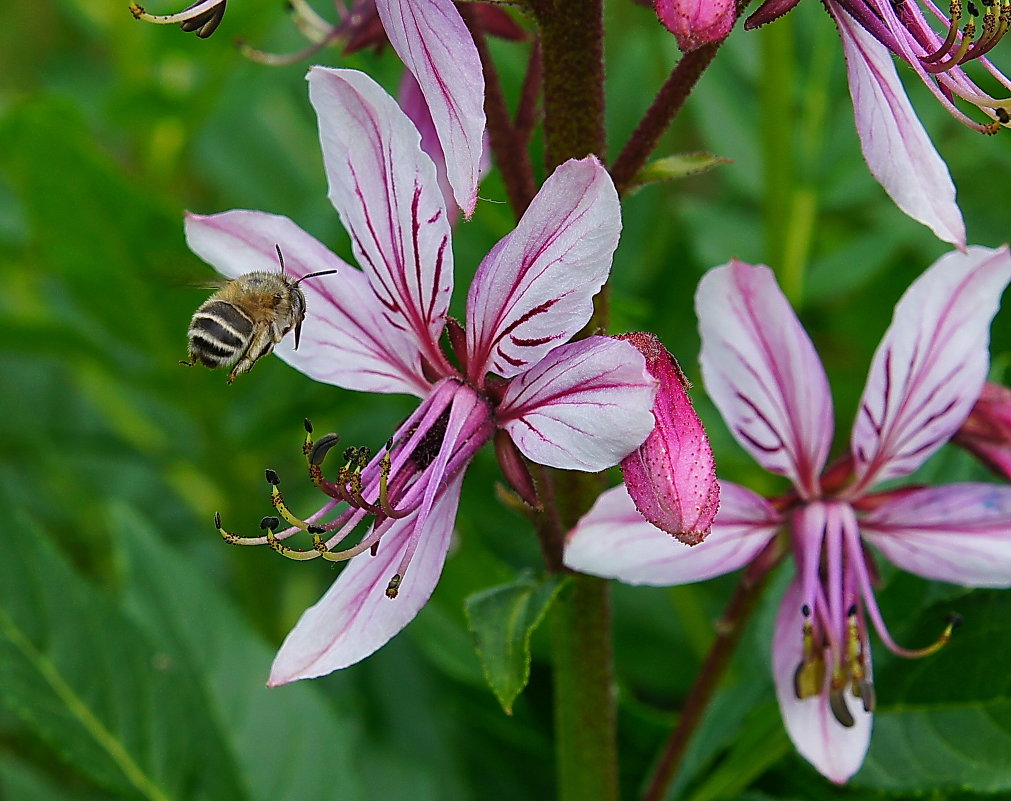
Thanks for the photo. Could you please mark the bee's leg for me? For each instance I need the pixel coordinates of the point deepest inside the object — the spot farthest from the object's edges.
(189, 361)
(259, 346)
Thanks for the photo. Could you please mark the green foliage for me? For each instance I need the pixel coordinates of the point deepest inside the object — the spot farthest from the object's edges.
(502, 620)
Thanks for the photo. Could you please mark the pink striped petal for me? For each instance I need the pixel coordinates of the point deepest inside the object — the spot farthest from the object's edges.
(387, 193)
(763, 373)
(613, 540)
(585, 406)
(433, 42)
(355, 618)
(835, 750)
(958, 532)
(895, 145)
(534, 290)
(931, 364)
(346, 340)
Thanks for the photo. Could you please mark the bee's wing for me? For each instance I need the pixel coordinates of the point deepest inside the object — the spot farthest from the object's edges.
(211, 284)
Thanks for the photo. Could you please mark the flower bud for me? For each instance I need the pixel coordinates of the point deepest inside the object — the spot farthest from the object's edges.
(671, 477)
(696, 22)
(986, 432)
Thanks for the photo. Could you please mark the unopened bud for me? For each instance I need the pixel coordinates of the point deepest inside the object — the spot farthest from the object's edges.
(671, 477)
(696, 22)
(986, 432)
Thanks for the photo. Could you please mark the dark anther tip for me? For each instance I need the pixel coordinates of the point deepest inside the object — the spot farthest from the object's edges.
(308, 425)
(954, 619)
(851, 612)
(389, 444)
(350, 454)
(315, 529)
(322, 447)
(217, 520)
(270, 522)
(805, 610)
(272, 477)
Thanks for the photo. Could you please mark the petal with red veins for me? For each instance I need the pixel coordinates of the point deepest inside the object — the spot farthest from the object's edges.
(896, 147)
(613, 540)
(346, 340)
(585, 406)
(930, 367)
(535, 289)
(385, 189)
(433, 42)
(957, 532)
(763, 373)
(355, 617)
(835, 750)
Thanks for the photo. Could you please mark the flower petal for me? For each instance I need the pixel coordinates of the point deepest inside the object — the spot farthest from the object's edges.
(346, 340)
(763, 373)
(355, 617)
(835, 750)
(534, 289)
(433, 42)
(613, 540)
(895, 145)
(931, 364)
(585, 406)
(385, 188)
(958, 532)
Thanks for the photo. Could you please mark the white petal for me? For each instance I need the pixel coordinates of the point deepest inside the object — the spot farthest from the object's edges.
(896, 147)
(957, 532)
(613, 540)
(586, 406)
(763, 373)
(535, 289)
(930, 367)
(835, 750)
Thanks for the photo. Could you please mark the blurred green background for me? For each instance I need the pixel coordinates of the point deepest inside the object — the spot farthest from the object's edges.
(134, 644)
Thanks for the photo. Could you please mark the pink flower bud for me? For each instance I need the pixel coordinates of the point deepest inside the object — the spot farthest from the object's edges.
(671, 477)
(696, 22)
(986, 432)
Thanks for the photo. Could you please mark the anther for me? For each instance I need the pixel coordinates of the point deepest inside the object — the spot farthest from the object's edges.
(864, 690)
(394, 586)
(270, 523)
(841, 712)
(1002, 115)
(217, 520)
(805, 610)
(308, 425)
(315, 529)
(321, 447)
(272, 477)
(852, 611)
(953, 619)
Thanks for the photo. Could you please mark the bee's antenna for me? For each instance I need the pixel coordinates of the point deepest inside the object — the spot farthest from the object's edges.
(313, 275)
(280, 258)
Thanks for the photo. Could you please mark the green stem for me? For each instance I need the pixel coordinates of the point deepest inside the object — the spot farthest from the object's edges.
(572, 47)
(586, 752)
(728, 634)
(585, 747)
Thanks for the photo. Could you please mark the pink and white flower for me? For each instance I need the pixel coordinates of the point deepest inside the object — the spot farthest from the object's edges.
(765, 377)
(576, 405)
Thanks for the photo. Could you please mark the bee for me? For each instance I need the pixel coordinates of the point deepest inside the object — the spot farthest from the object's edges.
(241, 322)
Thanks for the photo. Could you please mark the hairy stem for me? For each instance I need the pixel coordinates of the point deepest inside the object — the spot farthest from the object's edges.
(572, 50)
(728, 634)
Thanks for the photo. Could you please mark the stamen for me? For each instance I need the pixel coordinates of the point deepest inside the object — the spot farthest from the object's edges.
(284, 59)
(954, 18)
(277, 499)
(968, 33)
(840, 711)
(235, 539)
(394, 586)
(202, 17)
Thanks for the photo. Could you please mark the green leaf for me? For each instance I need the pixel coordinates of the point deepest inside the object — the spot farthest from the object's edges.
(502, 620)
(105, 698)
(288, 741)
(680, 165)
(945, 721)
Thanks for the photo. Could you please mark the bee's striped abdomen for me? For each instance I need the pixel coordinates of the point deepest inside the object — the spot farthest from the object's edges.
(219, 333)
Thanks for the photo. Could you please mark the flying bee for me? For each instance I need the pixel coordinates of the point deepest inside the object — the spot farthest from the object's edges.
(243, 321)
